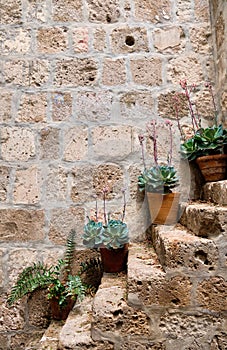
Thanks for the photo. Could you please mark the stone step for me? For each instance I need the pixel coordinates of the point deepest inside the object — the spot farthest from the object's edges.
(215, 192)
(204, 219)
(178, 249)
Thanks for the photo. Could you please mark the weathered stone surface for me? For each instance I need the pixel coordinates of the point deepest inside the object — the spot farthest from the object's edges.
(4, 342)
(62, 221)
(202, 10)
(25, 340)
(55, 186)
(111, 142)
(184, 10)
(11, 12)
(201, 39)
(32, 108)
(67, 11)
(108, 176)
(39, 309)
(17, 143)
(6, 102)
(205, 220)
(94, 105)
(75, 143)
(50, 338)
(114, 71)
(76, 72)
(61, 106)
(146, 71)
(179, 67)
(15, 41)
(178, 249)
(82, 184)
(49, 143)
(212, 294)
(100, 41)
(143, 344)
(109, 12)
(126, 39)
(167, 103)
(153, 12)
(11, 318)
(27, 186)
(216, 192)
(81, 39)
(4, 183)
(2, 253)
(169, 39)
(21, 225)
(36, 12)
(219, 342)
(136, 105)
(52, 40)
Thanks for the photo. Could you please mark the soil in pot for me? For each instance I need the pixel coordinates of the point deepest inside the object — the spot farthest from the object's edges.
(213, 167)
(163, 207)
(114, 260)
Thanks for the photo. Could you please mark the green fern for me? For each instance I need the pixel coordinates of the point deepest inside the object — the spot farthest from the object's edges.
(70, 247)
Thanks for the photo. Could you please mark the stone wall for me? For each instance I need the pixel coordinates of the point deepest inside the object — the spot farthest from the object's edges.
(79, 80)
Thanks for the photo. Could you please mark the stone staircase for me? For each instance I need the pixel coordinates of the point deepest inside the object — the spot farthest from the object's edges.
(174, 296)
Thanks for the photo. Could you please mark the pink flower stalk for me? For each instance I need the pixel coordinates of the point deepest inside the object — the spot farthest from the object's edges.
(153, 137)
(176, 104)
(209, 86)
(96, 208)
(105, 191)
(124, 205)
(170, 154)
(187, 90)
(141, 140)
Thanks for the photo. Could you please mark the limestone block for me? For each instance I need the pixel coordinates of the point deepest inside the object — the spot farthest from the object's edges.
(67, 11)
(25, 340)
(75, 143)
(169, 39)
(212, 294)
(38, 309)
(94, 105)
(61, 106)
(17, 144)
(36, 12)
(32, 108)
(2, 253)
(50, 338)
(216, 192)
(76, 72)
(4, 342)
(49, 143)
(177, 249)
(202, 10)
(100, 41)
(38, 72)
(148, 285)
(13, 318)
(52, 40)
(63, 221)
(82, 184)
(126, 39)
(11, 12)
(27, 186)
(143, 344)
(110, 176)
(81, 40)
(146, 71)
(109, 12)
(179, 68)
(6, 102)
(15, 41)
(55, 183)
(200, 38)
(167, 101)
(188, 329)
(153, 12)
(136, 105)
(114, 72)
(205, 220)
(111, 141)
(21, 225)
(4, 183)
(219, 341)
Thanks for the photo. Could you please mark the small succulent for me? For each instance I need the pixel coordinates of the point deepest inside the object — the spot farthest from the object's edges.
(92, 236)
(115, 234)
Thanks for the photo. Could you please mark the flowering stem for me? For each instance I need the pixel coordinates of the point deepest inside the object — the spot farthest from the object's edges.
(170, 155)
(124, 206)
(105, 190)
(176, 102)
(187, 94)
(154, 139)
(141, 139)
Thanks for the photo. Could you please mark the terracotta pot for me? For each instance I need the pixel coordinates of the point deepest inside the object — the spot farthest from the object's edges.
(58, 312)
(213, 167)
(163, 207)
(114, 260)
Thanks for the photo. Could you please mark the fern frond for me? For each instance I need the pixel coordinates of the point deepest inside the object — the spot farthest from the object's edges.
(92, 263)
(70, 247)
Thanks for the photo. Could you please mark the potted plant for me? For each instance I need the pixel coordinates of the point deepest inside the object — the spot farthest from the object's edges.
(158, 182)
(62, 287)
(206, 145)
(110, 236)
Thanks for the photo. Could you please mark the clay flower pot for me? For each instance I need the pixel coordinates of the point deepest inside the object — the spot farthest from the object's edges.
(163, 207)
(114, 260)
(61, 312)
(213, 167)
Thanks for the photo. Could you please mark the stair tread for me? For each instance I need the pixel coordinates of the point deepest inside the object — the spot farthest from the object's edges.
(216, 192)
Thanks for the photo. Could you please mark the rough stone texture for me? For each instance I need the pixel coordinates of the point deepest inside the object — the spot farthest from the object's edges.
(67, 11)
(201, 39)
(146, 71)
(24, 340)
(100, 40)
(211, 294)
(76, 144)
(167, 102)
(17, 144)
(6, 101)
(39, 309)
(76, 72)
(32, 108)
(21, 225)
(114, 72)
(26, 186)
(52, 40)
(11, 12)
(55, 188)
(94, 106)
(4, 183)
(109, 12)
(61, 106)
(128, 39)
(36, 12)
(152, 12)
(81, 39)
(136, 104)
(15, 41)
(49, 143)
(82, 184)
(216, 192)
(108, 176)
(169, 40)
